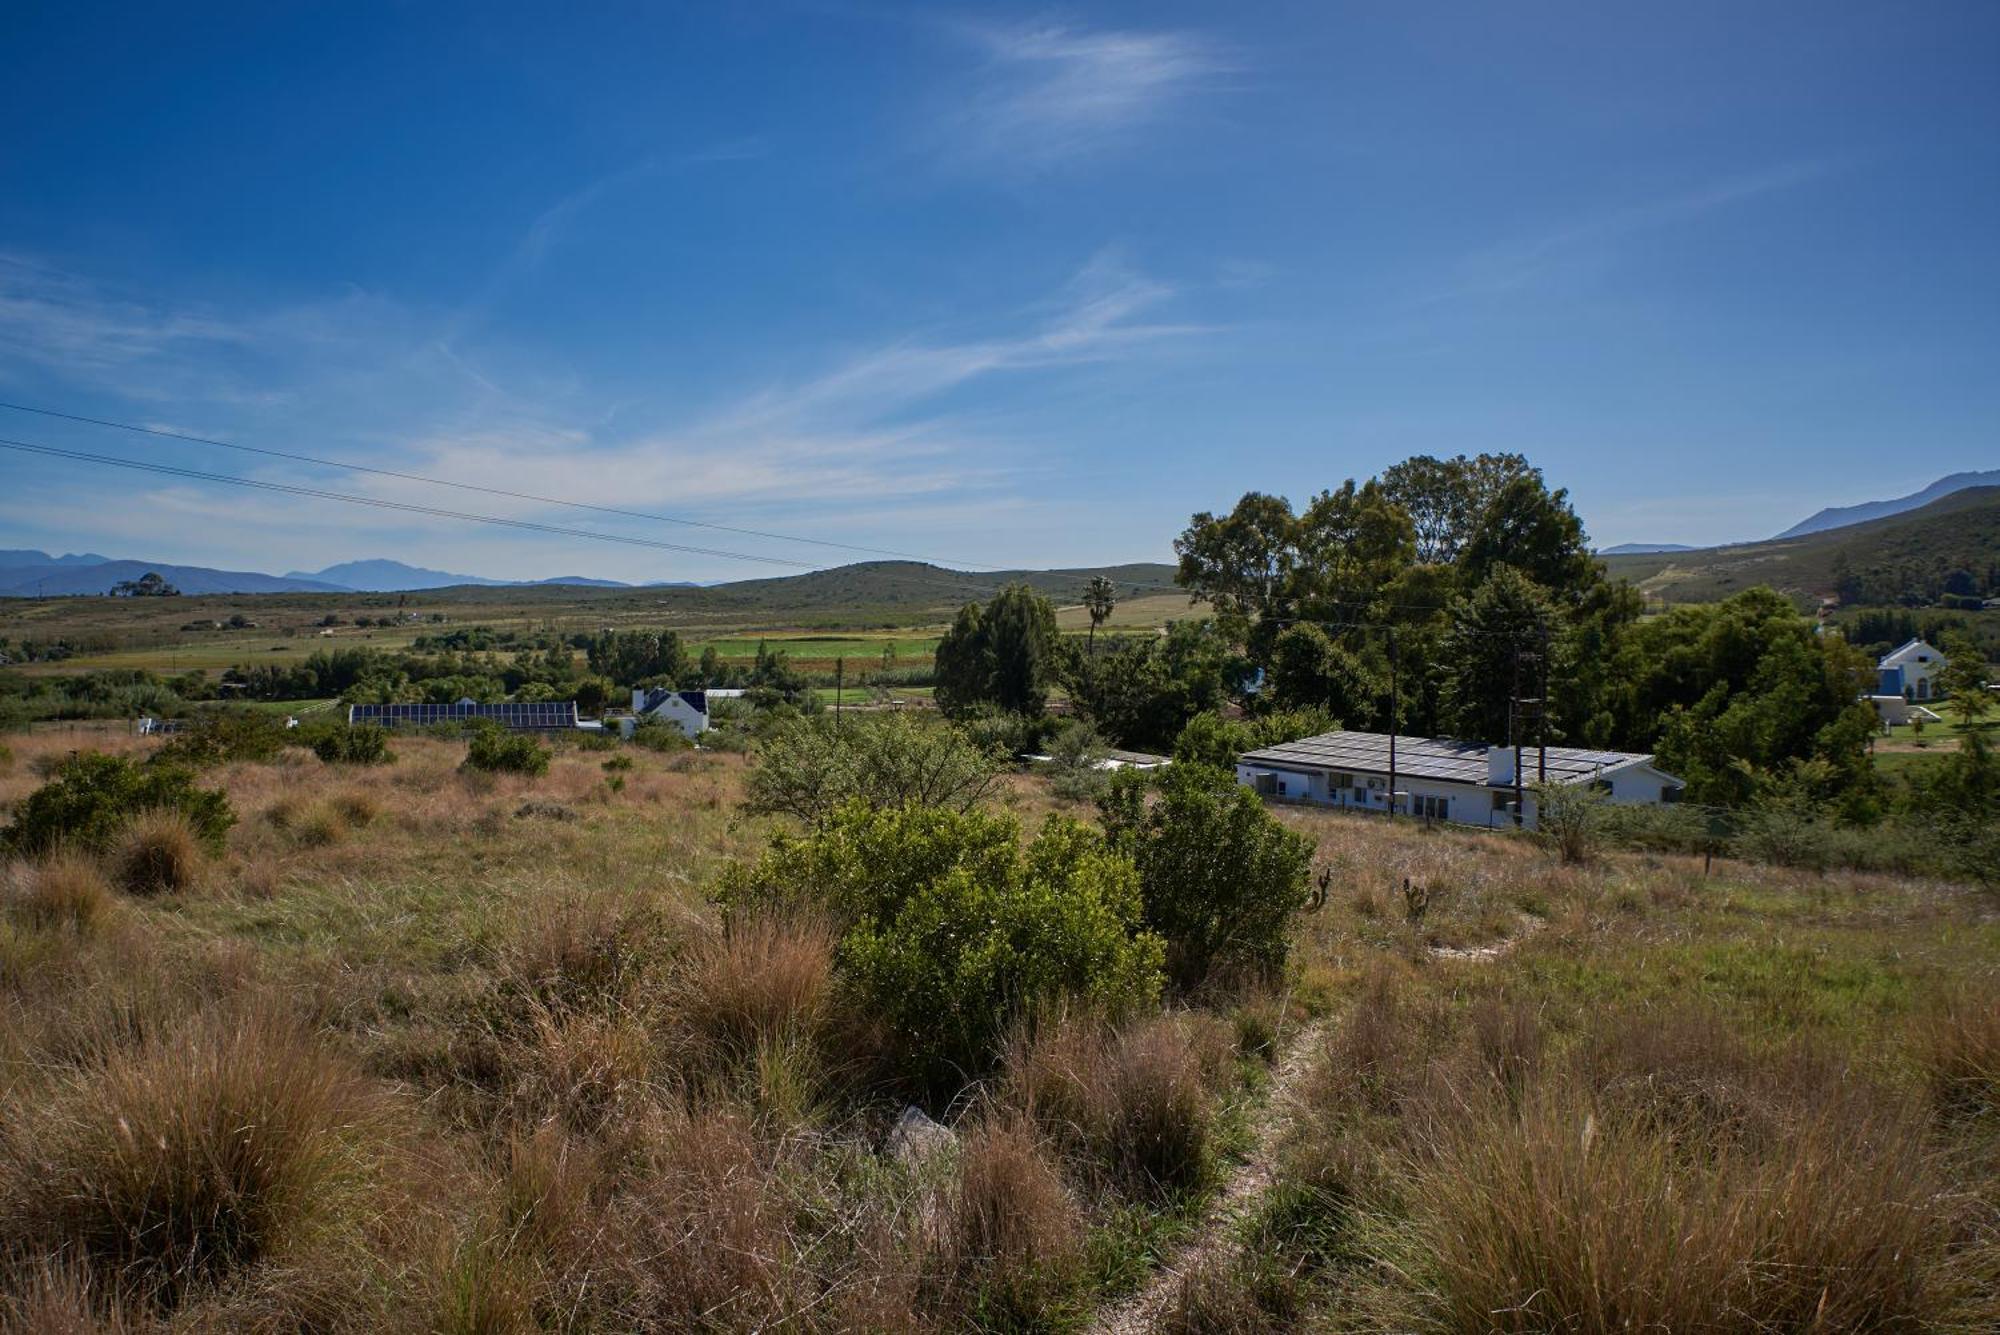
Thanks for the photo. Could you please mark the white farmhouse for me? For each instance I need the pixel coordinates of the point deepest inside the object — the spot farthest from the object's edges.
(1442, 779)
(1910, 671)
(686, 710)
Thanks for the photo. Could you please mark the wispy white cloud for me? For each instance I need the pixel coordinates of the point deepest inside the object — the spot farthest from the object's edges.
(1520, 264)
(358, 377)
(1048, 93)
(1094, 318)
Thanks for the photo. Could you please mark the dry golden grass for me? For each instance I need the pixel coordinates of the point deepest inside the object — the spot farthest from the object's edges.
(157, 853)
(187, 1158)
(761, 979)
(66, 891)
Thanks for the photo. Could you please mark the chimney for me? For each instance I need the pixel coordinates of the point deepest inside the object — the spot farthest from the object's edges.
(638, 699)
(1500, 766)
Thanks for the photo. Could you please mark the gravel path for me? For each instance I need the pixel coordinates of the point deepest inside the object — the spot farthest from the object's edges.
(1250, 1179)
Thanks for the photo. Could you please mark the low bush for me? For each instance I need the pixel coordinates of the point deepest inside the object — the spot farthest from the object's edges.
(91, 796)
(663, 737)
(811, 767)
(1076, 751)
(219, 737)
(1221, 878)
(950, 929)
(360, 744)
(157, 852)
(494, 750)
(1569, 818)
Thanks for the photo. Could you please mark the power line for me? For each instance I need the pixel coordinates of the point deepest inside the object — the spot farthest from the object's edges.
(958, 586)
(352, 467)
(382, 503)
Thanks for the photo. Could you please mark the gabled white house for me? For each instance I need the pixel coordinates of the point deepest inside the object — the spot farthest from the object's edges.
(686, 710)
(1441, 779)
(1910, 671)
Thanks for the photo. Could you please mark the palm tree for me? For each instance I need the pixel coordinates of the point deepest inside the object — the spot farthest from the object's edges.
(1098, 600)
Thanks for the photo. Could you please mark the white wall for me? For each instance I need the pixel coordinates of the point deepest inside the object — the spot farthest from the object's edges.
(691, 721)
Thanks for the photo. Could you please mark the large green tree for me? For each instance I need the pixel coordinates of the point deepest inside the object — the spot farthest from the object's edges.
(1003, 654)
(1492, 653)
(1445, 498)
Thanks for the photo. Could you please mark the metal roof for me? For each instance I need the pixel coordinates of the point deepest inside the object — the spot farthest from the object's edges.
(1431, 757)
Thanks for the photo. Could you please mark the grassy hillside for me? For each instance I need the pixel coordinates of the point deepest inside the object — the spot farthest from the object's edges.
(1961, 530)
(177, 634)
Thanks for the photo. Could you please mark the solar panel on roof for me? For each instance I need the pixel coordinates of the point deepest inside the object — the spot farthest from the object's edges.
(1427, 757)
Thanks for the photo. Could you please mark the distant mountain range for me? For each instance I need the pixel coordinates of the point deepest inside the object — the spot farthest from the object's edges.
(1959, 530)
(26, 573)
(1840, 516)
(1643, 548)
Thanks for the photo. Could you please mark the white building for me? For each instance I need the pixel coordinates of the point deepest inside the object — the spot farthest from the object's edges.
(1441, 779)
(686, 710)
(1910, 671)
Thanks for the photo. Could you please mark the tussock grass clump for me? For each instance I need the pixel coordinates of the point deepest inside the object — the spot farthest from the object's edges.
(186, 1158)
(569, 951)
(764, 978)
(157, 852)
(1578, 1216)
(319, 826)
(355, 806)
(705, 1234)
(66, 892)
(1959, 1048)
(1139, 1102)
(1015, 1236)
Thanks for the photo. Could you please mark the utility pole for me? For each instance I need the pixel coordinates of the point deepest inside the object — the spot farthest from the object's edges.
(1392, 722)
(1542, 712)
(1514, 731)
(839, 681)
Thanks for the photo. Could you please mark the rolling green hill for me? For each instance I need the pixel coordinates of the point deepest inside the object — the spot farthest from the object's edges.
(1910, 551)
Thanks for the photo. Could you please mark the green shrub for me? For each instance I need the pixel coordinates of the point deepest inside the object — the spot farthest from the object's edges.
(657, 736)
(951, 930)
(1220, 876)
(222, 736)
(1569, 817)
(91, 796)
(811, 767)
(1210, 739)
(361, 744)
(1076, 749)
(495, 750)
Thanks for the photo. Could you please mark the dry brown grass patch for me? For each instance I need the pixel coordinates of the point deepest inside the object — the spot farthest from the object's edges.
(1577, 1216)
(1958, 1046)
(761, 979)
(189, 1157)
(1015, 1235)
(64, 892)
(158, 852)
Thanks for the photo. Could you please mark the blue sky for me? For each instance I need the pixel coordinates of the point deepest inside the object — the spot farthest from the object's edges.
(1000, 286)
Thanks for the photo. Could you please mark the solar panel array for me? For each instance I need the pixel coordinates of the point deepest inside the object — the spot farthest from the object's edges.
(524, 716)
(1430, 757)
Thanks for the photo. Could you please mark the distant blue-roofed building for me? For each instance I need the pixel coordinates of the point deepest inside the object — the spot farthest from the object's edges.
(686, 710)
(522, 716)
(1910, 670)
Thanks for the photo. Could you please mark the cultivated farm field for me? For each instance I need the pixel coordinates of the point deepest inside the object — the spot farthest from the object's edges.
(426, 1048)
